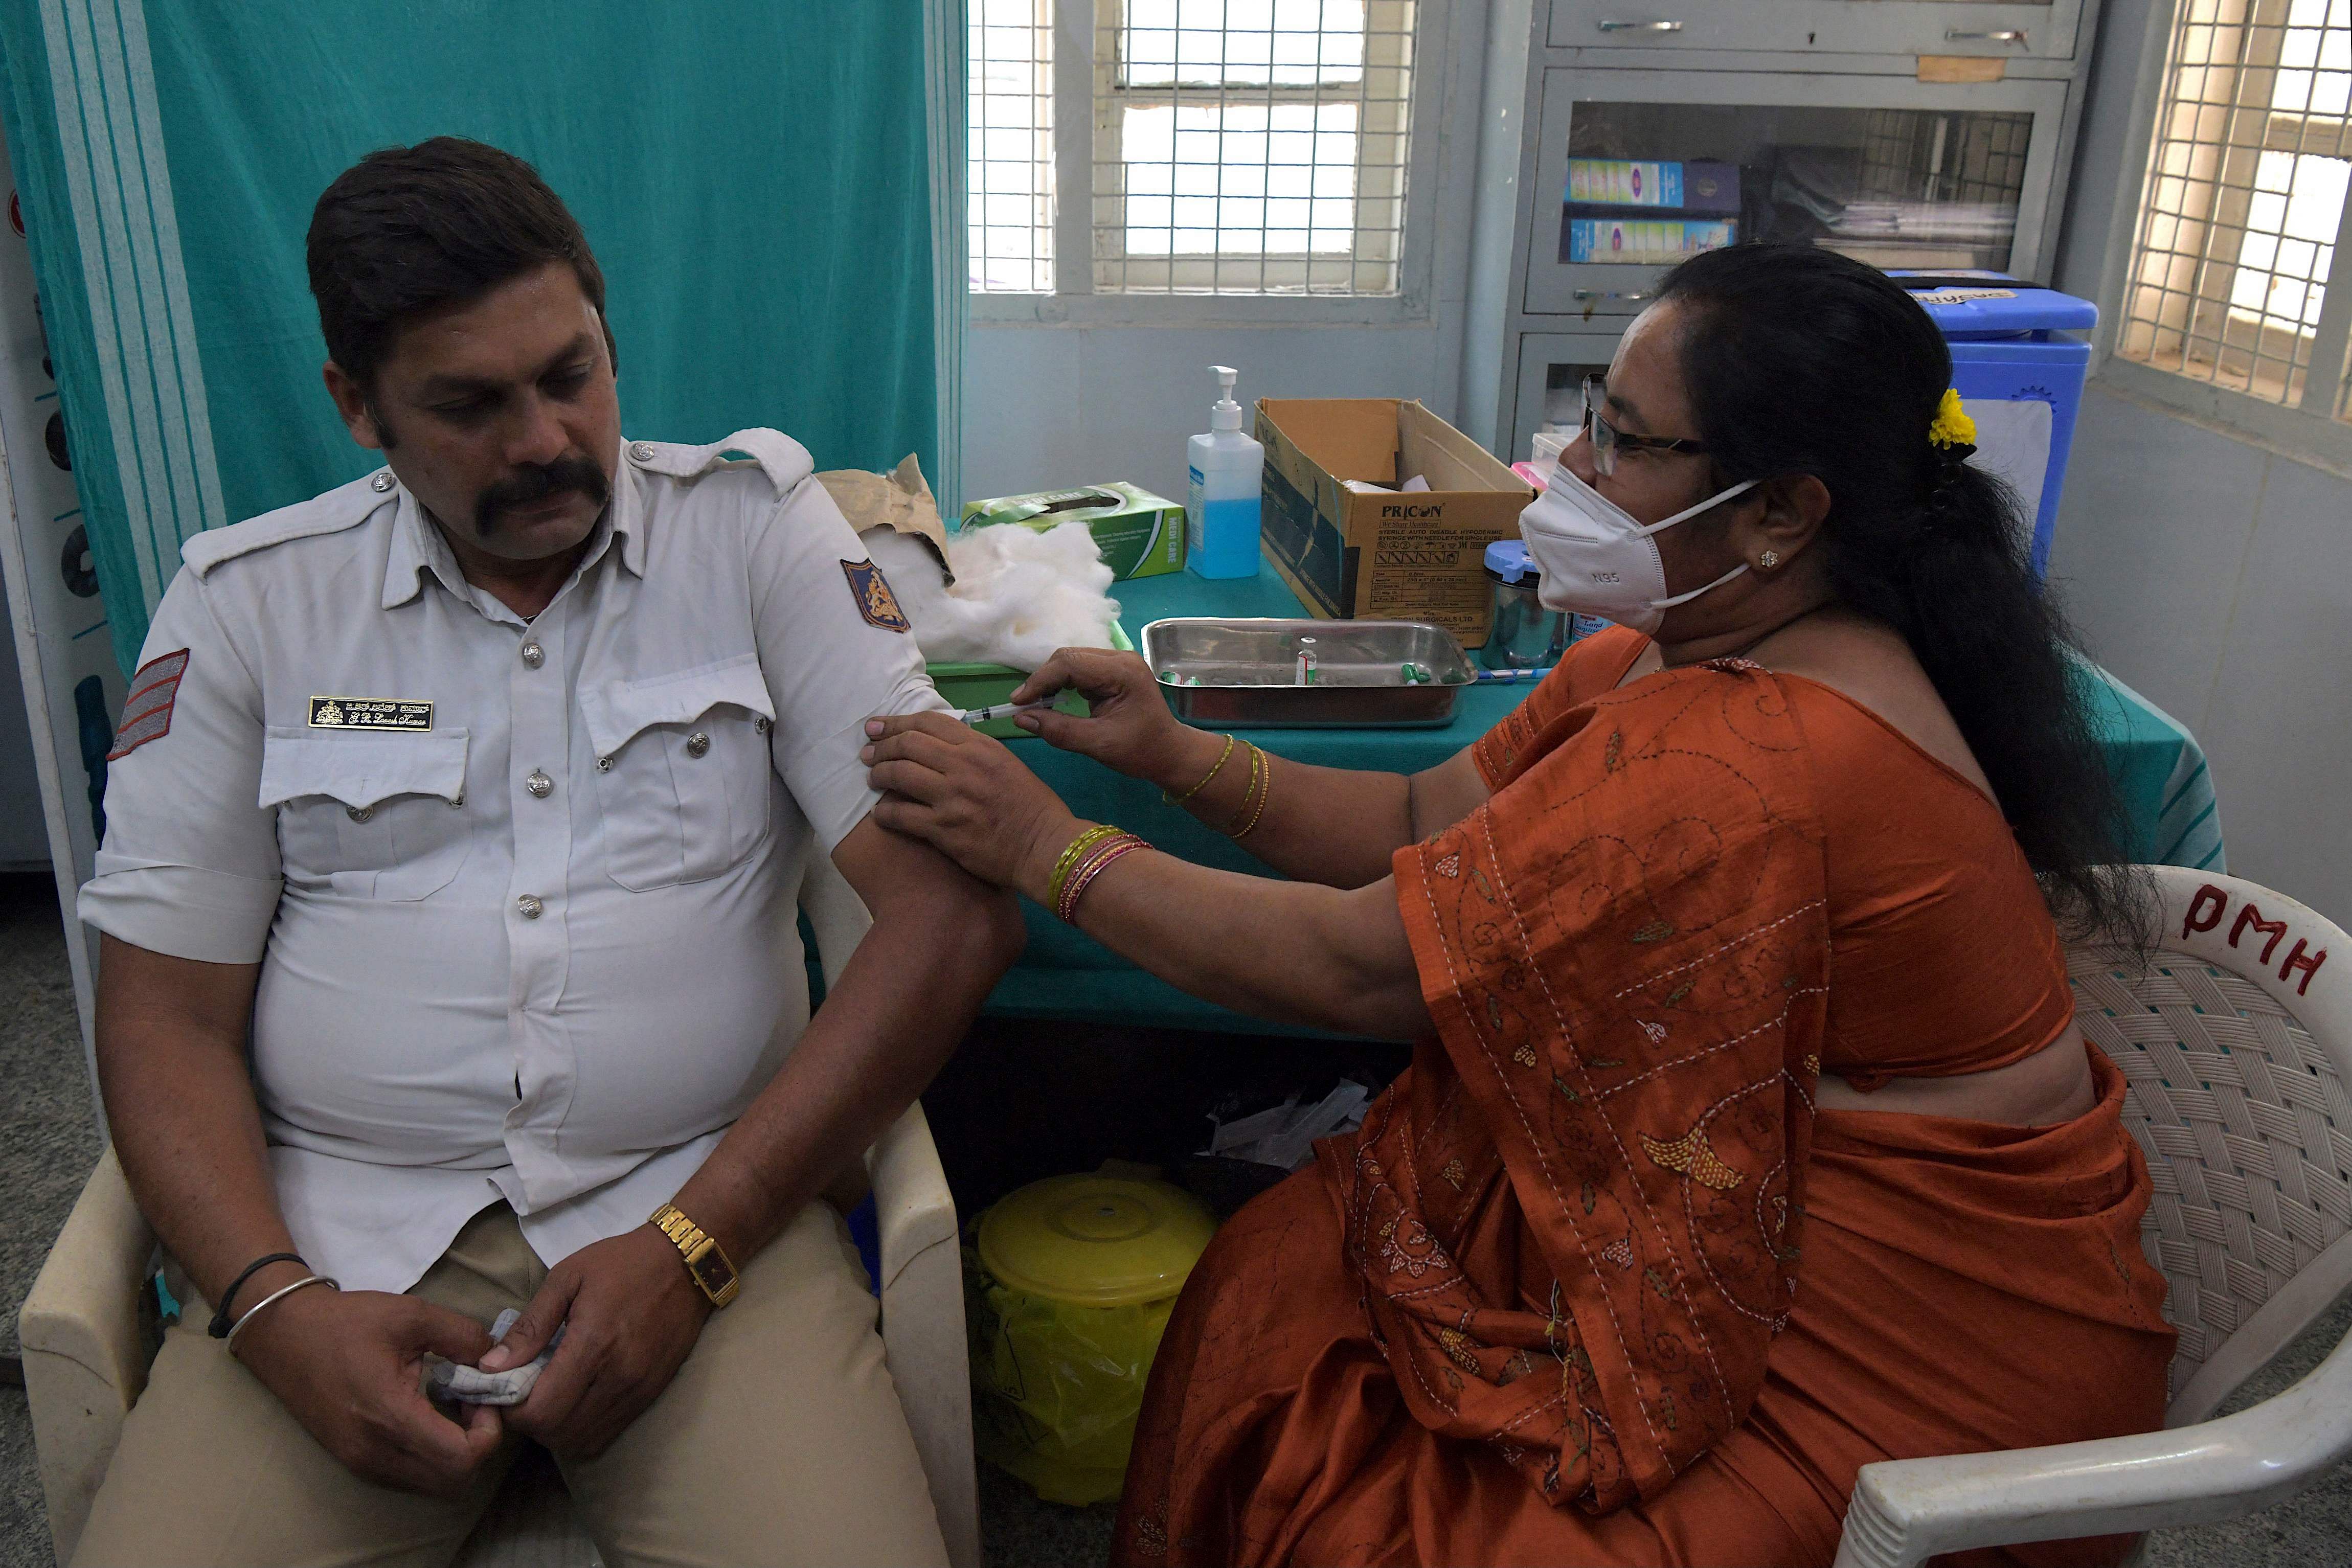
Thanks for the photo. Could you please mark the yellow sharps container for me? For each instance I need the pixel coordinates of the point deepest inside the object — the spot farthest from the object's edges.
(1072, 1283)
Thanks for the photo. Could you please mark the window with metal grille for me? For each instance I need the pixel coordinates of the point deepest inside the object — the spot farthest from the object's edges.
(1236, 147)
(2233, 278)
(1251, 146)
(1010, 137)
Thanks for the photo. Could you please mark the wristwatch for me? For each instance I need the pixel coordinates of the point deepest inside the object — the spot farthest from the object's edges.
(708, 1266)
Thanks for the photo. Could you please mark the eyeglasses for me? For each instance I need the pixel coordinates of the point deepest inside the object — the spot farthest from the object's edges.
(1607, 440)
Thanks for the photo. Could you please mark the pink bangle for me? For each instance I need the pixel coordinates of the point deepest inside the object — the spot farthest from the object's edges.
(1093, 868)
(1088, 854)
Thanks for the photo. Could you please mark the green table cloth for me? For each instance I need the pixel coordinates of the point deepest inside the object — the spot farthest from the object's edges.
(1067, 976)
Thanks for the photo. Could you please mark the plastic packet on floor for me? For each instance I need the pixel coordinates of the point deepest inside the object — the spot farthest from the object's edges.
(1284, 1136)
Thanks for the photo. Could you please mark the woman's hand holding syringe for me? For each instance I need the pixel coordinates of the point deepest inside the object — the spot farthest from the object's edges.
(1129, 730)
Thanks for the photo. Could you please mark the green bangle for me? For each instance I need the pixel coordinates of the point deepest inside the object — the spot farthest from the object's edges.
(1070, 857)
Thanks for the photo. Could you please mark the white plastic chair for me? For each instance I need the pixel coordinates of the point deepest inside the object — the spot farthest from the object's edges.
(86, 1359)
(2236, 1042)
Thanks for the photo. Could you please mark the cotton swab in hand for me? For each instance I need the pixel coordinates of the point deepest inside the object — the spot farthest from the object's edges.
(980, 715)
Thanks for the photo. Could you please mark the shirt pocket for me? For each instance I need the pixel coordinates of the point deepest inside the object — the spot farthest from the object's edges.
(374, 815)
(683, 775)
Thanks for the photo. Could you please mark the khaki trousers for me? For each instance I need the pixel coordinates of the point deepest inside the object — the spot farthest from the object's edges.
(780, 1440)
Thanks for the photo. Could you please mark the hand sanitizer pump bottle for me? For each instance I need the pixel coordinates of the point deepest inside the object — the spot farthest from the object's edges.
(1221, 506)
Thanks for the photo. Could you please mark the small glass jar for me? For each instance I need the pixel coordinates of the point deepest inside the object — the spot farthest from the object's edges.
(1523, 635)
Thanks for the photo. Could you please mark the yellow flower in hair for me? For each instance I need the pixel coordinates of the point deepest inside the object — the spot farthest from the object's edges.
(1952, 426)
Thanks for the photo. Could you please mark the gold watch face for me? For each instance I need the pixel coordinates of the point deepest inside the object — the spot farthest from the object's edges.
(711, 1271)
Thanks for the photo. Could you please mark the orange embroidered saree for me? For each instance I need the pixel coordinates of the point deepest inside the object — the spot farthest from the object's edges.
(1537, 1309)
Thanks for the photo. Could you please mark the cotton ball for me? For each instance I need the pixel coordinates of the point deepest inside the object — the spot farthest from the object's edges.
(949, 630)
(913, 572)
(1046, 590)
(1018, 594)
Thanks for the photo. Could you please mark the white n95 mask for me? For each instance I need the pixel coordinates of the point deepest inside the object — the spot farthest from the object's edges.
(1596, 559)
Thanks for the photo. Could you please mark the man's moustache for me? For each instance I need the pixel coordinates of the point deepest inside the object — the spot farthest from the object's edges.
(536, 485)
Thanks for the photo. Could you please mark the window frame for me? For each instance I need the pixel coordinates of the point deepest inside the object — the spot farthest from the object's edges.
(1077, 300)
(2308, 430)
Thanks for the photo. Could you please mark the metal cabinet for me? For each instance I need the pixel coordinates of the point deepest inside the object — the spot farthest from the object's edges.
(2047, 31)
(1552, 371)
(1968, 168)
(1841, 123)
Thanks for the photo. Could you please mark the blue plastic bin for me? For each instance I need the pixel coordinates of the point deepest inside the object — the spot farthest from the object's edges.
(2013, 344)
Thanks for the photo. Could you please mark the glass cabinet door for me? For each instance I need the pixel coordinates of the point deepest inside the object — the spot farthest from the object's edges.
(1552, 367)
(1638, 169)
(2035, 29)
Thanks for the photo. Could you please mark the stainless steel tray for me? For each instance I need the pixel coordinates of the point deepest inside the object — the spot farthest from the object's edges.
(1247, 672)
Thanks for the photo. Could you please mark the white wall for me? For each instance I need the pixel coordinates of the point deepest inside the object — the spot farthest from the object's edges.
(1054, 404)
(2210, 572)
(1047, 407)
(2216, 577)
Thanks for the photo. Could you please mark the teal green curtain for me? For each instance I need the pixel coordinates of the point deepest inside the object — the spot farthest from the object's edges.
(756, 180)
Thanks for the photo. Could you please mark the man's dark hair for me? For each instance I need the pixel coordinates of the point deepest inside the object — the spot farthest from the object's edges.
(408, 230)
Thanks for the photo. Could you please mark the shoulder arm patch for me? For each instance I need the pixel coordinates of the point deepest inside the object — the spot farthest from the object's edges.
(875, 600)
(147, 711)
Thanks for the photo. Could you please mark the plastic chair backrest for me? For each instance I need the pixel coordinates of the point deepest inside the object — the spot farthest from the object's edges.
(2235, 1038)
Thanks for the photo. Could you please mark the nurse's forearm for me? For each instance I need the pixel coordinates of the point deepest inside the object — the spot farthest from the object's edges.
(181, 1109)
(1338, 826)
(939, 943)
(1332, 825)
(1289, 951)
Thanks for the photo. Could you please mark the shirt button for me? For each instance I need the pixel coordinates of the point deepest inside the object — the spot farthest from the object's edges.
(529, 907)
(381, 482)
(696, 744)
(760, 726)
(643, 451)
(603, 765)
(359, 813)
(540, 784)
(533, 655)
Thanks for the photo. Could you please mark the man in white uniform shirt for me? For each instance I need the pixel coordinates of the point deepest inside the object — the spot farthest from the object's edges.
(477, 794)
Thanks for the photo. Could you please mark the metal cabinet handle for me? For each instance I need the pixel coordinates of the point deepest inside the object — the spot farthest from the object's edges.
(1602, 293)
(2004, 36)
(1649, 27)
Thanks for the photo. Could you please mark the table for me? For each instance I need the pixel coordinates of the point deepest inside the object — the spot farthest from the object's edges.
(1065, 975)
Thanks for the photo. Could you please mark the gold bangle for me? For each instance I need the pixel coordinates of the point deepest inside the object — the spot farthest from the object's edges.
(1070, 858)
(1256, 780)
(1264, 793)
(1168, 800)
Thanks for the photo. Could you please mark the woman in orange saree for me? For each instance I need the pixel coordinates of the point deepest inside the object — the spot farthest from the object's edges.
(1748, 1137)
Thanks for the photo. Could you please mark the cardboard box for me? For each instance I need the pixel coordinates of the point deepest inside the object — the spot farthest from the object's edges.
(1138, 533)
(1381, 555)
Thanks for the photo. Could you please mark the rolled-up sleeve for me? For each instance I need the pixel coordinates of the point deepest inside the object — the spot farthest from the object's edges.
(189, 867)
(830, 654)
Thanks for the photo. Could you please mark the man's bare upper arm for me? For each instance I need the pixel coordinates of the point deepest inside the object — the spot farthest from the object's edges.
(142, 991)
(891, 871)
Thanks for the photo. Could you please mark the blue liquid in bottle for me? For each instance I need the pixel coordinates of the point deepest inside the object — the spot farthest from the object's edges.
(1226, 544)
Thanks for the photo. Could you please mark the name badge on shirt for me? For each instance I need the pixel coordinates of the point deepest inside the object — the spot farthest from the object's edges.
(370, 713)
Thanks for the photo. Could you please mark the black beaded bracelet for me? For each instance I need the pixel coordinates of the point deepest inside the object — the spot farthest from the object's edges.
(222, 1321)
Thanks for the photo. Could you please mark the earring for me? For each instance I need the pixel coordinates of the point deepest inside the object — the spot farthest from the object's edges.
(1769, 559)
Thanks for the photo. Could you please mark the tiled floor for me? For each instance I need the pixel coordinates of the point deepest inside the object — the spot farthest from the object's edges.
(48, 1143)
